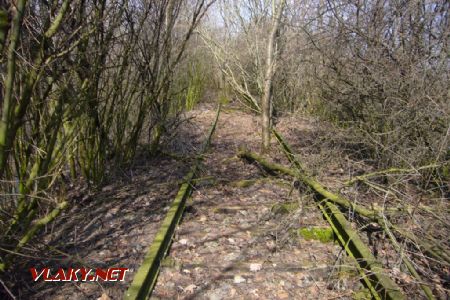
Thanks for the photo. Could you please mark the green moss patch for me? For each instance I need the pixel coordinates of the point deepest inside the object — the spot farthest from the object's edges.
(325, 235)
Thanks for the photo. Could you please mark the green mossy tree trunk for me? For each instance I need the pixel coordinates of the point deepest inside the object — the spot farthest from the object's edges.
(6, 121)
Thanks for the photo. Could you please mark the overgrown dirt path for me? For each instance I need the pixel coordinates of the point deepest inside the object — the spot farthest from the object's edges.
(234, 243)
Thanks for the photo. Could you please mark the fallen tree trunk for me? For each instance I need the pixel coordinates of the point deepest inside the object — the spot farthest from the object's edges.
(433, 250)
(273, 167)
(379, 284)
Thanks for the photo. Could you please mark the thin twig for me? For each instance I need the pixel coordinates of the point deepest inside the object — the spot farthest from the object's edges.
(7, 290)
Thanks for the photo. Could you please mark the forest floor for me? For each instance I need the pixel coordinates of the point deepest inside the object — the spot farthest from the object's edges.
(235, 240)
(236, 244)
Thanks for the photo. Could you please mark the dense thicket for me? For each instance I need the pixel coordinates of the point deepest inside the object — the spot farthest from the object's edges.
(379, 68)
(82, 83)
(385, 73)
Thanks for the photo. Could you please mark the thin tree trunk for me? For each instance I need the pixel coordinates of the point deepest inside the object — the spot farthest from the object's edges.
(5, 122)
(158, 130)
(271, 59)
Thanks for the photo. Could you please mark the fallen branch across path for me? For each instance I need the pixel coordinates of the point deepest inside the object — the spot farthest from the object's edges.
(273, 167)
(145, 278)
(380, 285)
(374, 215)
(431, 248)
